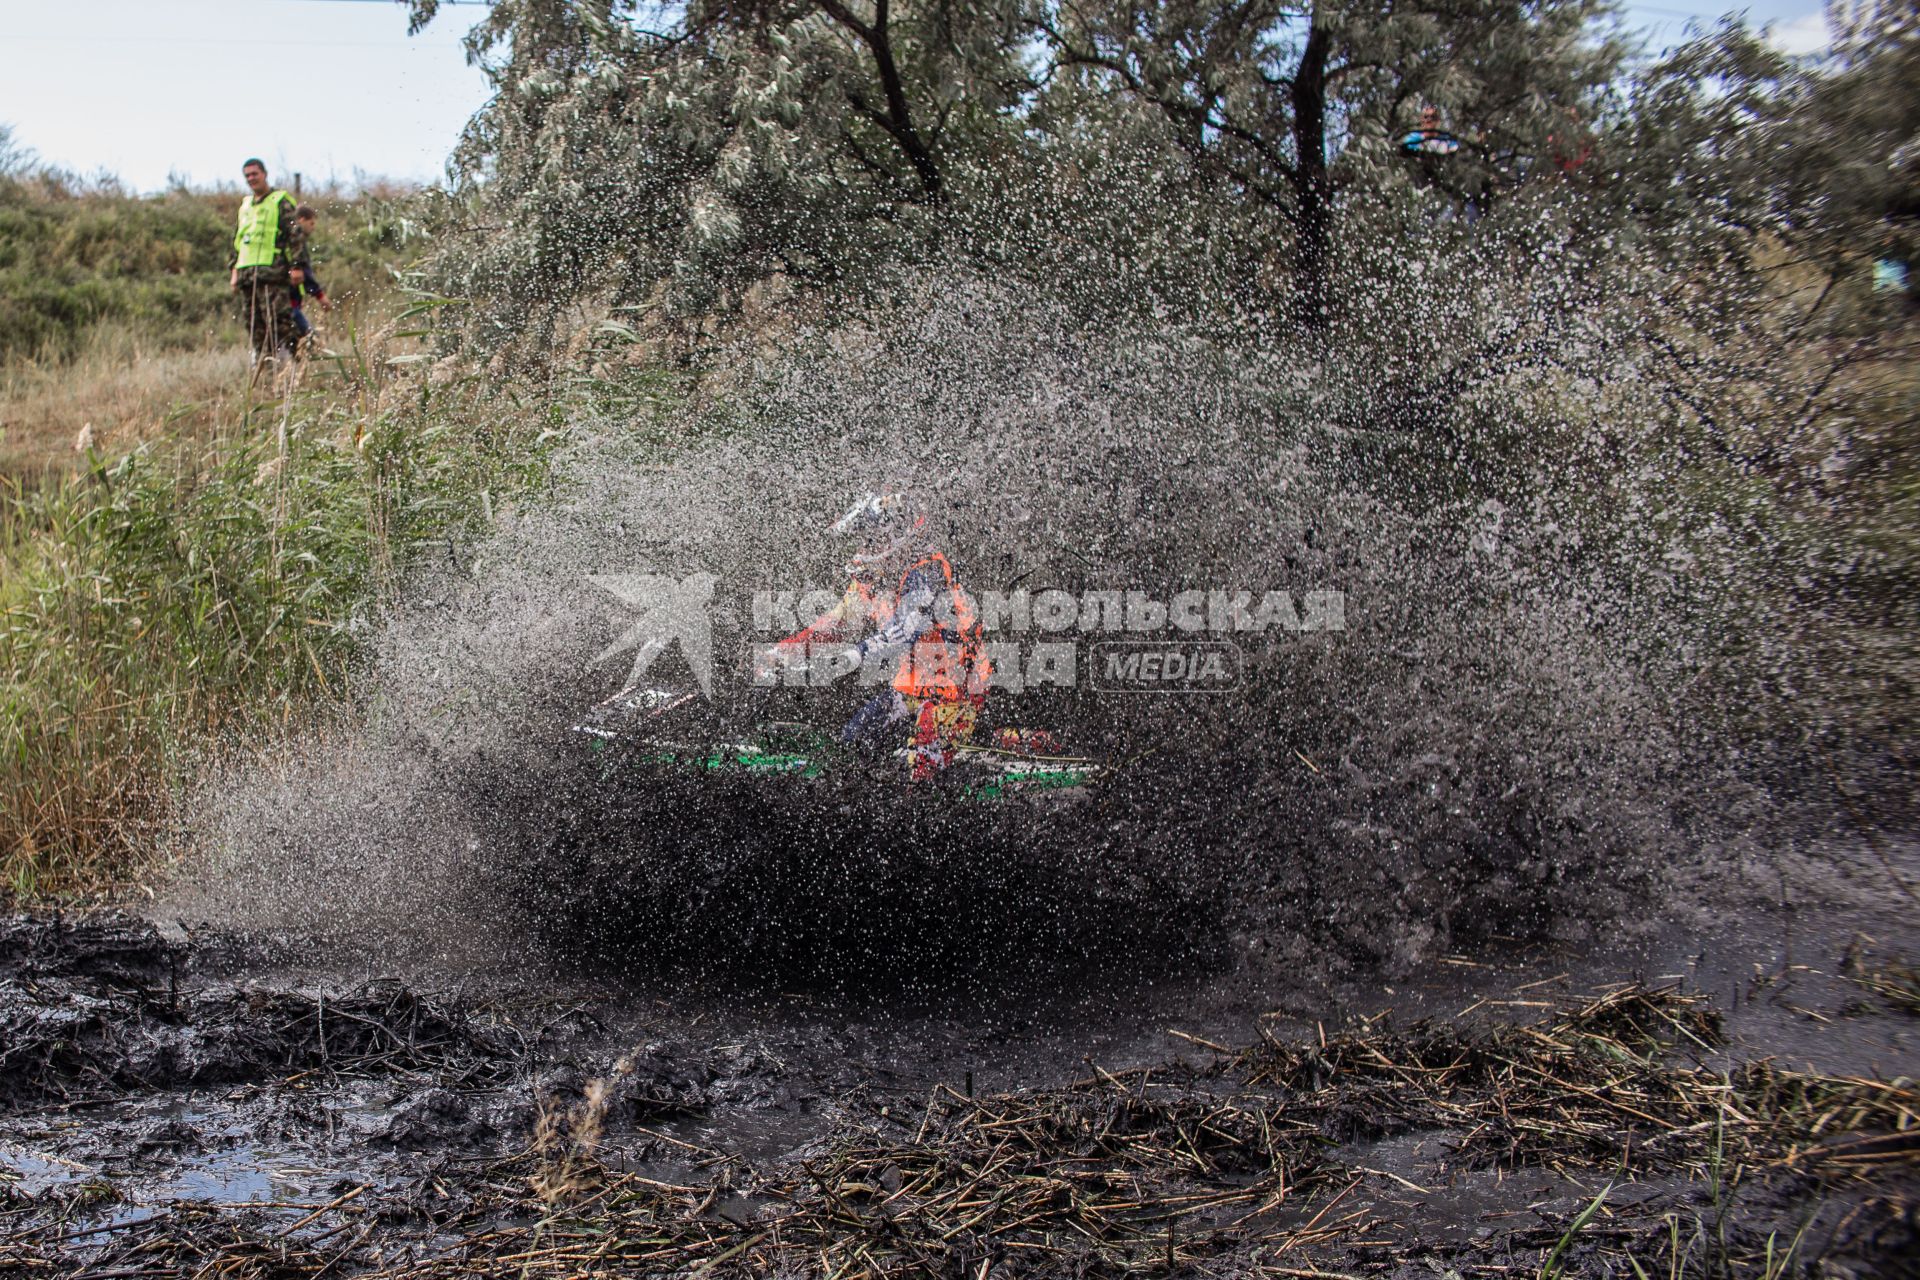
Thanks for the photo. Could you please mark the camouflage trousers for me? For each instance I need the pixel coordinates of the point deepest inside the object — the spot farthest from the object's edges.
(266, 307)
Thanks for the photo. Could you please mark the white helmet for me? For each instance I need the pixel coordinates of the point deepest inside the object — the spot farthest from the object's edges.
(883, 525)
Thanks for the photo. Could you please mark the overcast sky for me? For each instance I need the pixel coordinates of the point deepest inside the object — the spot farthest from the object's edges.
(149, 88)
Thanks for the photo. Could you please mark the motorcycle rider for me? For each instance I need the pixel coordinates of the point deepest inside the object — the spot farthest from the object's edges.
(920, 616)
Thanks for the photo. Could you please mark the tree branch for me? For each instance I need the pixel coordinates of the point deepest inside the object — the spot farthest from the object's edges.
(897, 121)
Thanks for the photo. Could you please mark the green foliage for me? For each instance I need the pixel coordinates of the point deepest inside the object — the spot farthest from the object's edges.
(151, 606)
(1553, 1267)
(674, 160)
(1727, 140)
(820, 143)
(753, 140)
(1851, 151)
(72, 261)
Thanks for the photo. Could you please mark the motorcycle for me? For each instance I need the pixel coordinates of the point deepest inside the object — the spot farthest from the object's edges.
(661, 726)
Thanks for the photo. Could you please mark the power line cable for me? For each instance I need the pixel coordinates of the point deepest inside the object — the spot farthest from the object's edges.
(222, 40)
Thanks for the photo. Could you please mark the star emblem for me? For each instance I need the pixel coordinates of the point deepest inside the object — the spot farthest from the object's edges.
(667, 609)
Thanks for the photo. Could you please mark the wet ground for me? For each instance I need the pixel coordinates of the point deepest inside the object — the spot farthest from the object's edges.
(177, 1097)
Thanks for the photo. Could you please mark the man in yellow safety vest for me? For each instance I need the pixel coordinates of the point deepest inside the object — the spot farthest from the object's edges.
(266, 244)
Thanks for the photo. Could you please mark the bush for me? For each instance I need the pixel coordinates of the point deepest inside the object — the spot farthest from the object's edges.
(75, 259)
(70, 262)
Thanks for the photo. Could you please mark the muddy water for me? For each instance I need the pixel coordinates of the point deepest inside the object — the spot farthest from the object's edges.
(152, 1070)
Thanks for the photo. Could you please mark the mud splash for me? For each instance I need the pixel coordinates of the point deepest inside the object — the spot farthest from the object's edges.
(751, 1026)
(1493, 745)
(833, 889)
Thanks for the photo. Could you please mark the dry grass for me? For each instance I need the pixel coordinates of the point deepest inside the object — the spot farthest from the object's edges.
(126, 394)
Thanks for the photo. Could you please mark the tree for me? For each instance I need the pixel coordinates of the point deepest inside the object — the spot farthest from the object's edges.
(746, 139)
(1849, 174)
(1296, 104)
(1243, 148)
(819, 140)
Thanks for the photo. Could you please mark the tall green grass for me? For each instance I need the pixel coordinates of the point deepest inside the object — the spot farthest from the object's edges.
(177, 595)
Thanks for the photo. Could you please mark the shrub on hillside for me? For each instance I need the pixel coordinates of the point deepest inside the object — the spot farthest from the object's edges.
(75, 257)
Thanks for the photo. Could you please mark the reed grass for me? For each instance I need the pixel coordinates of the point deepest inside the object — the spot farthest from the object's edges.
(190, 589)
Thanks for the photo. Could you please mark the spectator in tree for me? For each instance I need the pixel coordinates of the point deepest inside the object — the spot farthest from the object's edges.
(1572, 145)
(1429, 139)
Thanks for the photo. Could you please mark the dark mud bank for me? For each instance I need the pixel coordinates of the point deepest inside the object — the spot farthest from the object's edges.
(172, 1102)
